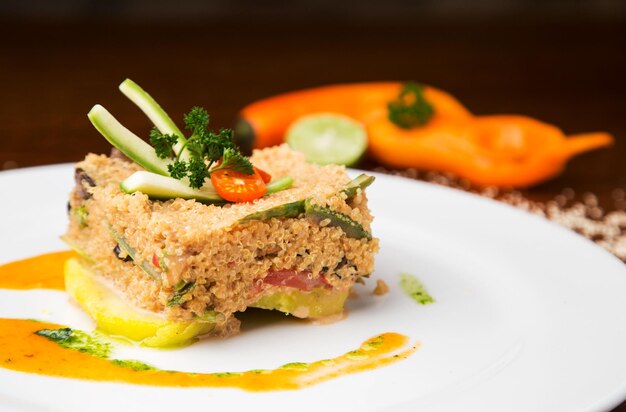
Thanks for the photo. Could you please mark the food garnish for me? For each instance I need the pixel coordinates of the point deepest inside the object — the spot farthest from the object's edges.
(236, 186)
(410, 109)
(277, 185)
(415, 289)
(264, 175)
(155, 113)
(161, 187)
(25, 349)
(204, 149)
(191, 160)
(264, 123)
(77, 340)
(327, 138)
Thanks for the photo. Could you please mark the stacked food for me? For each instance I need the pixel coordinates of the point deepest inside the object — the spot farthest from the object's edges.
(173, 247)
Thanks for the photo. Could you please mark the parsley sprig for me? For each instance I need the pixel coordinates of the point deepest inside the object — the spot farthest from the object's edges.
(410, 109)
(205, 149)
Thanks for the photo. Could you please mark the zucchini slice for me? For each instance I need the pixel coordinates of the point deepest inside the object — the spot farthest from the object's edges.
(348, 225)
(279, 184)
(360, 182)
(155, 113)
(293, 209)
(146, 266)
(126, 141)
(163, 187)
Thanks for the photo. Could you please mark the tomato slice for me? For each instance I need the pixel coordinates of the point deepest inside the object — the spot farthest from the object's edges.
(238, 187)
(155, 261)
(264, 175)
(290, 279)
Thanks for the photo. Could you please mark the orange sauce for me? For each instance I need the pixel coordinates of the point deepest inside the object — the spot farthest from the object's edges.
(39, 272)
(22, 350)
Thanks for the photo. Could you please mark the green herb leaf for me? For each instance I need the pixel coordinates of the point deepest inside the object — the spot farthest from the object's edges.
(162, 143)
(198, 172)
(197, 120)
(178, 169)
(234, 160)
(410, 109)
(226, 137)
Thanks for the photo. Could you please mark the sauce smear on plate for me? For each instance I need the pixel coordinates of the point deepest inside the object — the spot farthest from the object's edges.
(25, 351)
(39, 272)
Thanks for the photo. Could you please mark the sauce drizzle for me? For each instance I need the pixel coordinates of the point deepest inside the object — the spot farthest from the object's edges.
(22, 350)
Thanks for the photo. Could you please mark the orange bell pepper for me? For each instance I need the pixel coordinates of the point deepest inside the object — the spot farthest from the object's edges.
(264, 123)
(505, 150)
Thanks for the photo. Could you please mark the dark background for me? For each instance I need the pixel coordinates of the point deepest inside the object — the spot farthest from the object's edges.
(563, 62)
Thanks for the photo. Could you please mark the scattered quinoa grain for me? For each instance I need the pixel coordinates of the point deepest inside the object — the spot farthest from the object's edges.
(618, 194)
(585, 217)
(568, 193)
(381, 288)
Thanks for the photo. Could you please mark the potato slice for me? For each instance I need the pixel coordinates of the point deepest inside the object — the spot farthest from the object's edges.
(318, 303)
(115, 316)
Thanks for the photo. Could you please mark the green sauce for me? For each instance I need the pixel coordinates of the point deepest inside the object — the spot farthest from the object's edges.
(77, 340)
(296, 366)
(226, 374)
(134, 365)
(83, 342)
(415, 289)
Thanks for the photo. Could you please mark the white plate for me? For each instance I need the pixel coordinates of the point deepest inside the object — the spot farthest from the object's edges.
(529, 316)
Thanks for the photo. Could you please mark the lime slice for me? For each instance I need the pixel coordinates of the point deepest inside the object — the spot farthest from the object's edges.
(327, 138)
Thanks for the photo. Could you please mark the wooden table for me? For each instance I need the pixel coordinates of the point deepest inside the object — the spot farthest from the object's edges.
(572, 74)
